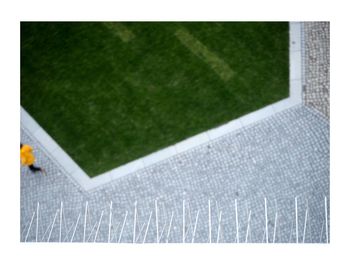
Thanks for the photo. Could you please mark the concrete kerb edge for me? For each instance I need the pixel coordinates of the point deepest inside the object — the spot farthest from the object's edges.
(87, 183)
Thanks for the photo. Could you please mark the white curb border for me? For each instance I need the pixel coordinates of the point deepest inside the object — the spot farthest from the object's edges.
(71, 168)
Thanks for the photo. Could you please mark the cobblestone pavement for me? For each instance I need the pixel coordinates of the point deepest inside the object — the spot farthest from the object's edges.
(283, 159)
(316, 59)
(280, 158)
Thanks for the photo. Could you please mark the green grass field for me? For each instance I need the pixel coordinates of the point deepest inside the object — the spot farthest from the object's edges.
(110, 93)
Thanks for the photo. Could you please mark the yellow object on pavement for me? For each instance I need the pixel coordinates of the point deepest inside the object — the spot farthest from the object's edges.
(27, 157)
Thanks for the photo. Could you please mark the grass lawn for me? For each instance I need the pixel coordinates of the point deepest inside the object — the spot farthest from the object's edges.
(110, 93)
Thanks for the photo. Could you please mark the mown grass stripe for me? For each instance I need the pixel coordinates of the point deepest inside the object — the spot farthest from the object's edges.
(196, 47)
(120, 30)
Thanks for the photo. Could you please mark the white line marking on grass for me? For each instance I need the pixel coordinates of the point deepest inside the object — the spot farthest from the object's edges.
(219, 66)
(120, 30)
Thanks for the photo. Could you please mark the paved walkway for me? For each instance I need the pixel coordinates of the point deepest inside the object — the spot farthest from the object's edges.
(265, 182)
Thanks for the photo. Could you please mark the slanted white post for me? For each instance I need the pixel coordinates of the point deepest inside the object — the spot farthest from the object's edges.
(98, 227)
(75, 228)
(37, 222)
(195, 226)
(85, 217)
(326, 217)
(237, 226)
(61, 210)
(135, 217)
(296, 220)
(266, 224)
(209, 220)
(30, 225)
(248, 225)
(149, 220)
(121, 231)
(110, 221)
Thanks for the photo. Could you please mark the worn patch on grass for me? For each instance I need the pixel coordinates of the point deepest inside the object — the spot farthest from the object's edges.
(120, 30)
(196, 47)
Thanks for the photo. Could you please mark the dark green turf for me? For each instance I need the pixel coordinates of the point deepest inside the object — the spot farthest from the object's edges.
(108, 102)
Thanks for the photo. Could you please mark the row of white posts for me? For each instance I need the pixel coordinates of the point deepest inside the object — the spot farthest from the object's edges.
(160, 234)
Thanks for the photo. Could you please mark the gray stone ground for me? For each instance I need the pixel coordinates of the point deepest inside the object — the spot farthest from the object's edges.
(280, 158)
(316, 58)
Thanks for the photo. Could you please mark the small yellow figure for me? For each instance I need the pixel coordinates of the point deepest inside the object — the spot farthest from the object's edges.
(28, 159)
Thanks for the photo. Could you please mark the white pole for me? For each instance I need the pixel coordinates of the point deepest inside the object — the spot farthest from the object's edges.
(138, 236)
(195, 226)
(237, 229)
(275, 228)
(161, 233)
(75, 228)
(30, 225)
(156, 212)
(248, 224)
(121, 231)
(53, 223)
(183, 221)
(296, 220)
(306, 212)
(37, 222)
(92, 231)
(171, 220)
(219, 228)
(61, 210)
(266, 224)
(135, 217)
(326, 216)
(110, 221)
(98, 227)
(149, 220)
(209, 220)
(84, 232)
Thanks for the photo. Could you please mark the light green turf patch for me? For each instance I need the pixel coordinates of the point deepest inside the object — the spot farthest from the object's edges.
(199, 49)
(120, 30)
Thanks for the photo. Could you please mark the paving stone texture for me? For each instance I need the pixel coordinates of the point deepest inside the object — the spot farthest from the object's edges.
(283, 158)
(317, 61)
